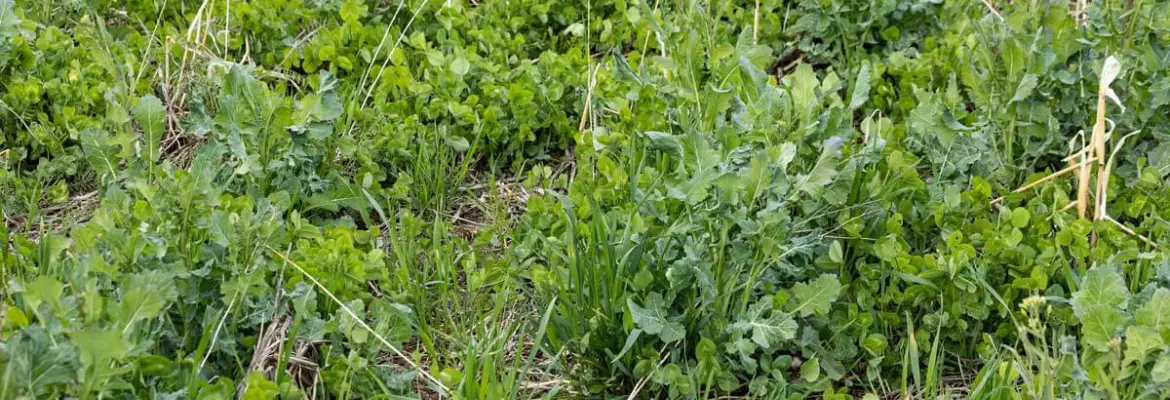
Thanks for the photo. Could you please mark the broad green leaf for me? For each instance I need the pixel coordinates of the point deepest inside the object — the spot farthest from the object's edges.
(151, 117)
(860, 88)
(888, 248)
(653, 318)
(757, 76)
(1021, 217)
(623, 70)
(1161, 371)
(744, 348)
(102, 157)
(1140, 341)
(98, 347)
(663, 142)
(836, 254)
(576, 29)
(9, 21)
(1100, 325)
(766, 332)
(1156, 312)
(458, 143)
(241, 84)
(822, 172)
(811, 370)
(352, 11)
(146, 296)
(349, 325)
(787, 154)
(321, 106)
(816, 297)
(669, 374)
(43, 289)
(804, 96)
(197, 121)
(705, 350)
(1024, 89)
(1101, 286)
(37, 361)
(460, 66)
(926, 119)
(16, 316)
(694, 190)
(1098, 304)
(220, 228)
(260, 388)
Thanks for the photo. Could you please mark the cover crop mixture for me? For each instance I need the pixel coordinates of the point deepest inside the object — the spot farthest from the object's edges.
(685, 199)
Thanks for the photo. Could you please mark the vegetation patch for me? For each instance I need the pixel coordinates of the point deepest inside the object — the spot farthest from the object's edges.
(304, 199)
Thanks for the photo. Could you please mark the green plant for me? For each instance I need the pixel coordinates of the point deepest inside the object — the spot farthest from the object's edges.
(614, 198)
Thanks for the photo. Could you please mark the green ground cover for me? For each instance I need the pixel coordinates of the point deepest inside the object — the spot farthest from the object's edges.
(485, 199)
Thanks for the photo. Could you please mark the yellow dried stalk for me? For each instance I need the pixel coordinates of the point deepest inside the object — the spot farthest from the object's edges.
(588, 109)
(1109, 72)
(1082, 178)
(1131, 232)
(1047, 178)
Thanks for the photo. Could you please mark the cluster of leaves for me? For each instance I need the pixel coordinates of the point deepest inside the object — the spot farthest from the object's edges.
(678, 255)
(57, 84)
(1121, 351)
(130, 288)
(180, 274)
(765, 199)
(702, 205)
